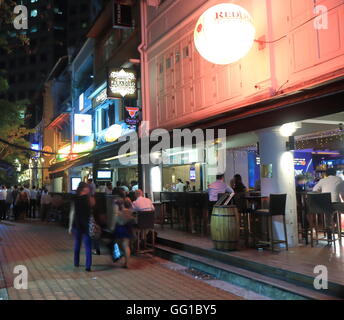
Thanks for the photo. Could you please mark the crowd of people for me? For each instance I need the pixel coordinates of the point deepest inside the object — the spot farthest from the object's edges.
(23, 202)
(121, 230)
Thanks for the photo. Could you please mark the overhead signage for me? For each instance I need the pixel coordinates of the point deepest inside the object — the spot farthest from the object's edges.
(132, 116)
(122, 17)
(224, 33)
(122, 84)
(83, 125)
(100, 98)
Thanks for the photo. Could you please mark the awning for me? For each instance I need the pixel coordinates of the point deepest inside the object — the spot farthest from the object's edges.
(58, 121)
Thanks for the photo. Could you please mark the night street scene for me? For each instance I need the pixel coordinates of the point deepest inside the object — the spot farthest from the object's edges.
(173, 157)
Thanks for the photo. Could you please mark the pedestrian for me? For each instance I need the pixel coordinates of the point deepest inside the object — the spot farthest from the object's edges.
(45, 204)
(27, 191)
(3, 194)
(79, 223)
(180, 186)
(22, 203)
(9, 202)
(123, 227)
(33, 203)
(108, 189)
(134, 185)
(15, 193)
(92, 186)
(38, 203)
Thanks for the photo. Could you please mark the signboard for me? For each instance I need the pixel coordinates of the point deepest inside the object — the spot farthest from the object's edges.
(83, 125)
(224, 33)
(122, 84)
(132, 116)
(122, 18)
(192, 174)
(104, 175)
(100, 98)
(75, 183)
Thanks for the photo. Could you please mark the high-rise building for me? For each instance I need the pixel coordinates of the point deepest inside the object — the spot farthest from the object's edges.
(54, 27)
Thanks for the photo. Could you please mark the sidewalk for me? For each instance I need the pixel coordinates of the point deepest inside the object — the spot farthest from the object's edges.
(46, 250)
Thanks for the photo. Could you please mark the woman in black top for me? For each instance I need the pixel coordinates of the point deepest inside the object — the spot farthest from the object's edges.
(238, 185)
(79, 223)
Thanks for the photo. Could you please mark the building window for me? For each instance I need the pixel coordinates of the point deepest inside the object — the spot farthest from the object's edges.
(168, 63)
(177, 57)
(185, 52)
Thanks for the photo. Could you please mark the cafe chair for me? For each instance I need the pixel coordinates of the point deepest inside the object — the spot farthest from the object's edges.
(145, 223)
(319, 207)
(277, 205)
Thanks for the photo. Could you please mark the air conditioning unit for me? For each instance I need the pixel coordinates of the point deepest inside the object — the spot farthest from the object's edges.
(154, 3)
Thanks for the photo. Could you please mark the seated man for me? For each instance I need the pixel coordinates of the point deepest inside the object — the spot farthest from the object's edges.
(141, 203)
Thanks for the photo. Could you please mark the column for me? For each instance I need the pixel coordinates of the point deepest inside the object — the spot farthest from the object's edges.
(273, 152)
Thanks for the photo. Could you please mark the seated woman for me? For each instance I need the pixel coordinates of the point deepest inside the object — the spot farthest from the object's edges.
(238, 185)
(123, 232)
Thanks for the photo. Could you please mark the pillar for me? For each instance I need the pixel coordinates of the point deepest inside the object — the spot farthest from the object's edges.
(273, 152)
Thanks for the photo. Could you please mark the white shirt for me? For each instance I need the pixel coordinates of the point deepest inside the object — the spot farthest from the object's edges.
(218, 187)
(333, 185)
(180, 187)
(3, 194)
(125, 188)
(45, 199)
(135, 187)
(33, 194)
(143, 204)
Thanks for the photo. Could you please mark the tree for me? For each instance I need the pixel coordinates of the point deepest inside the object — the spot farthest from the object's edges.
(12, 115)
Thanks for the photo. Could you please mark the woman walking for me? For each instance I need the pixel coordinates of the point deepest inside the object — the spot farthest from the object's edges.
(79, 223)
(123, 232)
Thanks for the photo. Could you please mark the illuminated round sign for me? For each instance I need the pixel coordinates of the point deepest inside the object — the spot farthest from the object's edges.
(47, 149)
(224, 33)
(113, 133)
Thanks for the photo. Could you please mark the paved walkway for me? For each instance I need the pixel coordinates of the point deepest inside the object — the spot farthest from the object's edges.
(46, 251)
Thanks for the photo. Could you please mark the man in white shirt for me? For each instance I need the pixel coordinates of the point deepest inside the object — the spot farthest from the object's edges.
(218, 187)
(33, 202)
(334, 185)
(141, 203)
(134, 185)
(180, 186)
(331, 184)
(3, 195)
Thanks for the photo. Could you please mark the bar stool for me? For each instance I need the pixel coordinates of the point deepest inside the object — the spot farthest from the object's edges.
(241, 204)
(145, 223)
(277, 206)
(320, 205)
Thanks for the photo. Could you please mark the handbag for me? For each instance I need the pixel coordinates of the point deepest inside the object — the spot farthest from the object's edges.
(116, 252)
(95, 230)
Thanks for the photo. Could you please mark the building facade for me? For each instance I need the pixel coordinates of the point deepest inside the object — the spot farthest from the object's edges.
(292, 73)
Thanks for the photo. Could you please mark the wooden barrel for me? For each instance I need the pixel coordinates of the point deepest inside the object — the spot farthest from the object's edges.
(225, 228)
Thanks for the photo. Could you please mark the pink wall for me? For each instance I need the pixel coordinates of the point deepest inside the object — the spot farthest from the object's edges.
(192, 89)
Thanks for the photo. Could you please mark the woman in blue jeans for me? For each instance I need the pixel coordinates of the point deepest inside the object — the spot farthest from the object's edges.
(79, 223)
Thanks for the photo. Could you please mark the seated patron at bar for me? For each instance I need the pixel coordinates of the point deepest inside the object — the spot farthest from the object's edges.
(238, 185)
(180, 186)
(141, 203)
(300, 182)
(331, 184)
(216, 188)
